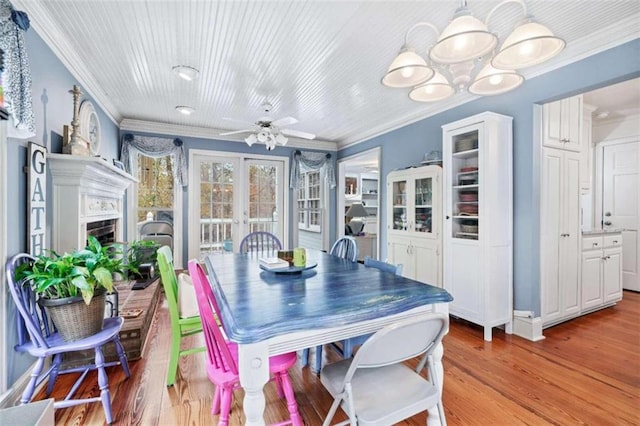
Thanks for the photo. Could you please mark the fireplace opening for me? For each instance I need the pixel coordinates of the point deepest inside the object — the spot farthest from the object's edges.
(103, 230)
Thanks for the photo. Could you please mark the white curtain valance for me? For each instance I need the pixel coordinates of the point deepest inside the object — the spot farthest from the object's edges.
(155, 147)
(313, 161)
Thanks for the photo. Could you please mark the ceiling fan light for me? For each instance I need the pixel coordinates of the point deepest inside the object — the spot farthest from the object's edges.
(464, 39)
(251, 139)
(491, 81)
(186, 72)
(263, 136)
(407, 69)
(531, 43)
(281, 139)
(436, 89)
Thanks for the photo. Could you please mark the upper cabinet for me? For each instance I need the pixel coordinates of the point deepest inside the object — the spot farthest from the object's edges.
(478, 226)
(563, 124)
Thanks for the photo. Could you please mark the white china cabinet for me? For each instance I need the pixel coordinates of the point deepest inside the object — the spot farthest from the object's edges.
(478, 225)
(414, 200)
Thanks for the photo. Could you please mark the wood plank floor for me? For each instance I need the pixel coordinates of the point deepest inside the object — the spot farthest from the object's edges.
(586, 371)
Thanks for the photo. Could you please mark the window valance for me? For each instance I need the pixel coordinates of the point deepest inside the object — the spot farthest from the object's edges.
(155, 147)
(313, 161)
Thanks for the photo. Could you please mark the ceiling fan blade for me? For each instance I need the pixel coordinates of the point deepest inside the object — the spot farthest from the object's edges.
(235, 132)
(284, 122)
(235, 120)
(298, 134)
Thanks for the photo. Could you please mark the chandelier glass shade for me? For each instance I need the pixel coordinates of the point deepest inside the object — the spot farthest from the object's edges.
(465, 57)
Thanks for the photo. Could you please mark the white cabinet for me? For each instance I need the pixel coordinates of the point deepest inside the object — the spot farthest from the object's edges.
(414, 199)
(560, 235)
(478, 226)
(562, 124)
(601, 270)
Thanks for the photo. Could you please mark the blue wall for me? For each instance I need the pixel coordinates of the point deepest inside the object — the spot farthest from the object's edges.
(407, 146)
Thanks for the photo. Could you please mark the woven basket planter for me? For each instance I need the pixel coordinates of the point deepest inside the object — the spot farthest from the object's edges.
(73, 318)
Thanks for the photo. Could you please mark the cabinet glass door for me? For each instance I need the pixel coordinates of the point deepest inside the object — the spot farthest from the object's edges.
(465, 181)
(399, 191)
(423, 206)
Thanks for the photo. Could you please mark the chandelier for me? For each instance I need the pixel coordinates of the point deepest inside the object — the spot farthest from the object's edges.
(465, 57)
(269, 135)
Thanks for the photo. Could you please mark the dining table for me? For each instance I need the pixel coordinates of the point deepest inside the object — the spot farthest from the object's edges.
(274, 312)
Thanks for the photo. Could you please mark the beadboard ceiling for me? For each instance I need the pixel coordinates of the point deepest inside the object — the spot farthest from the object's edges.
(318, 61)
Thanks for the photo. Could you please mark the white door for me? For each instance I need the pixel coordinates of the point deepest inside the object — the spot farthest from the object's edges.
(231, 196)
(621, 205)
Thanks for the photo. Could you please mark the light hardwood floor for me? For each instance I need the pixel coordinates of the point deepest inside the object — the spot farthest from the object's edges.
(586, 371)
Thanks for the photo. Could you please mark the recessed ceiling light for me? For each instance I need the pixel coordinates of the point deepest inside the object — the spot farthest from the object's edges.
(186, 72)
(186, 110)
(602, 115)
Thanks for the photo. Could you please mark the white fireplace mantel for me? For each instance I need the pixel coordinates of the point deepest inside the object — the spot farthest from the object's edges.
(85, 190)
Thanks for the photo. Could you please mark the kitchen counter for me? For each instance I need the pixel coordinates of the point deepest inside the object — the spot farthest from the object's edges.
(602, 231)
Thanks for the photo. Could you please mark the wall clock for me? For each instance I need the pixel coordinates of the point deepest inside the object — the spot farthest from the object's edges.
(90, 126)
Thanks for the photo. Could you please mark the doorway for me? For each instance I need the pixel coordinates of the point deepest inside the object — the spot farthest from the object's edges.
(359, 182)
(231, 195)
(618, 201)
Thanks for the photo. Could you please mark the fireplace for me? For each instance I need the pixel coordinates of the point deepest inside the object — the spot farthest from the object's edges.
(88, 197)
(103, 230)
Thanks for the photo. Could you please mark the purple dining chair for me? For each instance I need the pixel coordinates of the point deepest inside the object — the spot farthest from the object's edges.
(37, 338)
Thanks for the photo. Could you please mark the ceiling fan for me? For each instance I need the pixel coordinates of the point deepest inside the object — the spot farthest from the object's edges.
(269, 131)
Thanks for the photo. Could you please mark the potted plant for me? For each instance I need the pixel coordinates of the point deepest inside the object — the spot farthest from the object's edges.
(142, 252)
(72, 286)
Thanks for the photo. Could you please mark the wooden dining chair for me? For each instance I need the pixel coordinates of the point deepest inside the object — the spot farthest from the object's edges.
(375, 387)
(180, 327)
(344, 248)
(37, 338)
(222, 356)
(261, 242)
(346, 346)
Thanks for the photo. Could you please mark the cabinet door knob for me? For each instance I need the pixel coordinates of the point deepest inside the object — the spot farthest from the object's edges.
(615, 241)
(447, 217)
(595, 244)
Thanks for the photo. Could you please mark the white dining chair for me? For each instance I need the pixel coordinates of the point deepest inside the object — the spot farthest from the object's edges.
(375, 387)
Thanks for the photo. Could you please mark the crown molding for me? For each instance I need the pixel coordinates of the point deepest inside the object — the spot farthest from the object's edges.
(57, 41)
(213, 134)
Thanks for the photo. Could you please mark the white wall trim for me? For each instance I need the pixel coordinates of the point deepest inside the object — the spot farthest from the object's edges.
(528, 328)
(12, 397)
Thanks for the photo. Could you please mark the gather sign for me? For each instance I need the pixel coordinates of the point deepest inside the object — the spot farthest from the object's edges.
(37, 200)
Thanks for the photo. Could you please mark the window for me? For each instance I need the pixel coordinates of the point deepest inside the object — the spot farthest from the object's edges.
(155, 188)
(309, 201)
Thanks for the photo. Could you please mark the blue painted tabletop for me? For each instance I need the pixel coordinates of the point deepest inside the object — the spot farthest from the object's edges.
(257, 305)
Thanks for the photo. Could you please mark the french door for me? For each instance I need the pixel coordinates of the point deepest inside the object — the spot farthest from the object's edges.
(232, 195)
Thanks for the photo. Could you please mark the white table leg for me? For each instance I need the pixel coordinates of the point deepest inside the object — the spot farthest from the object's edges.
(434, 417)
(253, 366)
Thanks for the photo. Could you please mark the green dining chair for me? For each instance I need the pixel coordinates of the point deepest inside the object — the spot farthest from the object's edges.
(180, 327)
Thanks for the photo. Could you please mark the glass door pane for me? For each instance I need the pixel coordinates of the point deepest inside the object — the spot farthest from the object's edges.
(215, 195)
(465, 186)
(400, 205)
(264, 204)
(423, 205)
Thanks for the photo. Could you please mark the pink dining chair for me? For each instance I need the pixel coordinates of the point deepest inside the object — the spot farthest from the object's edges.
(222, 356)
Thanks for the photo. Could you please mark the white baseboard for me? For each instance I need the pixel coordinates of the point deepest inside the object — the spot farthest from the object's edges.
(528, 328)
(12, 397)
